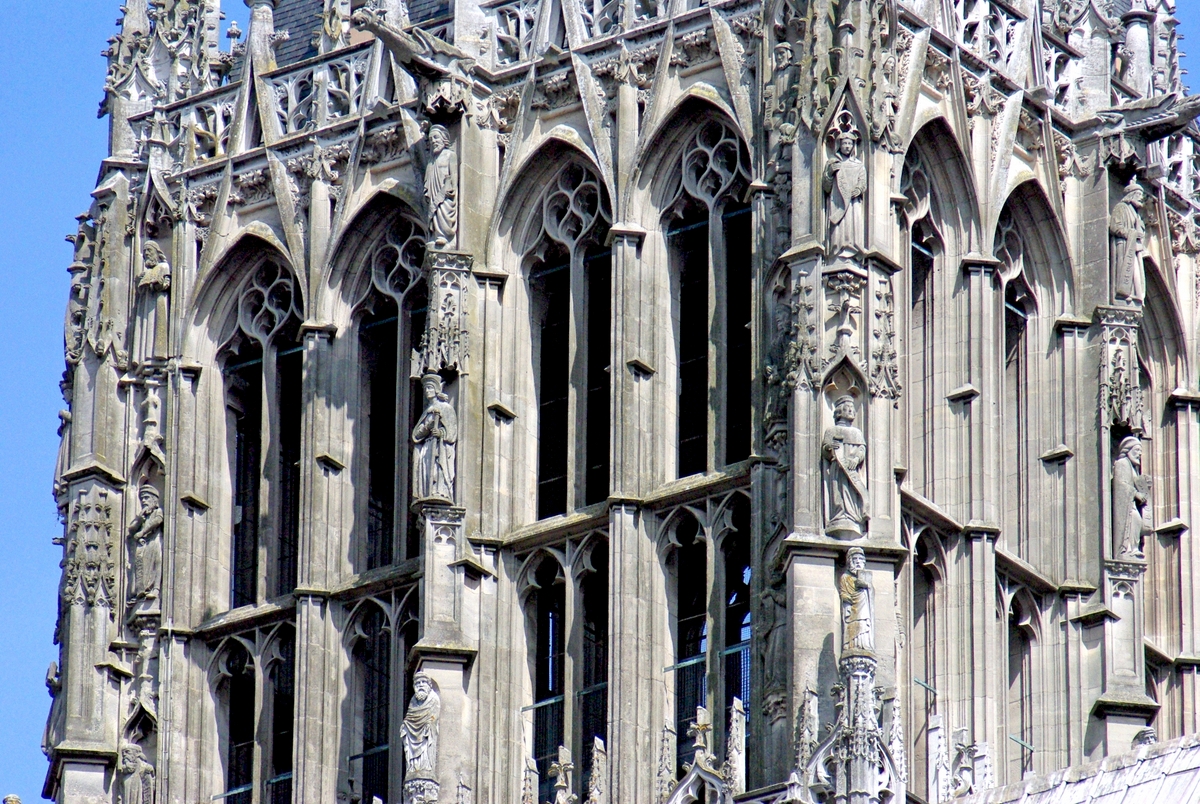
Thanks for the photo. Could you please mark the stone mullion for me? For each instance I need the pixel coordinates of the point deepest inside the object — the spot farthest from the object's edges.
(577, 411)
(639, 649)
(321, 557)
(717, 338)
(1187, 418)
(986, 639)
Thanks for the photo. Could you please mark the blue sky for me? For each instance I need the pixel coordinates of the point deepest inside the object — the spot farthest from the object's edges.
(51, 145)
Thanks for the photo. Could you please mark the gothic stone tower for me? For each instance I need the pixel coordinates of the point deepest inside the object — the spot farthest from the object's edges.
(520, 400)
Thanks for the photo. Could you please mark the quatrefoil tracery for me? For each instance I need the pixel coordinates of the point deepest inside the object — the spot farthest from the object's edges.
(268, 300)
(572, 211)
(397, 260)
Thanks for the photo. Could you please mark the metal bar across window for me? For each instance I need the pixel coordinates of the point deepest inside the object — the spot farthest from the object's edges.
(921, 683)
(540, 704)
(738, 648)
(1021, 743)
(283, 777)
(686, 663)
(376, 750)
(232, 792)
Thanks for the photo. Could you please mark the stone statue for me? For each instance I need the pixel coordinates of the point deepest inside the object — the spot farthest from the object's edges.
(419, 731)
(844, 452)
(12, 798)
(1131, 499)
(1127, 236)
(845, 183)
(435, 437)
(858, 604)
(154, 284)
(75, 324)
(441, 188)
(145, 533)
(773, 608)
(138, 785)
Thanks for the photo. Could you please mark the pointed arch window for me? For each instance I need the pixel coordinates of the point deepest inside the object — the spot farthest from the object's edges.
(569, 272)
(263, 363)
(1020, 692)
(925, 249)
(282, 717)
(240, 710)
(593, 686)
(546, 607)
(709, 243)
(372, 660)
(391, 326)
(1019, 310)
(710, 612)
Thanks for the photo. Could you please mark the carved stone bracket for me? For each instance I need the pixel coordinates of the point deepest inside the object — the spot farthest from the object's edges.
(1121, 400)
(443, 349)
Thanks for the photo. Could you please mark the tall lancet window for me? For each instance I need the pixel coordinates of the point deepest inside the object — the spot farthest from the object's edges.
(263, 363)
(391, 326)
(708, 237)
(1018, 310)
(1019, 697)
(372, 679)
(282, 670)
(569, 272)
(735, 550)
(240, 712)
(690, 627)
(924, 265)
(243, 399)
(593, 692)
(546, 608)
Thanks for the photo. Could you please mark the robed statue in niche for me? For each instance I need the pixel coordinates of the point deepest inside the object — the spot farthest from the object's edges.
(1127, 239)
(845, 184)
(843, 453)
(441, 188)
(1131, 499)
(154, 285)
(145, 535)
(435, 439)
(858, 603)
(419, 731)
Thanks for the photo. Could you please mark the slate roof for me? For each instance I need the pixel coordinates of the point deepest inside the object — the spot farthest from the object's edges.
(301, 19)
(1163, 773)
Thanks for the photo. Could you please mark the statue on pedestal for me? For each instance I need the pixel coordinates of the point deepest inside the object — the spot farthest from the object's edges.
(1127, 237)
(1131, 499)
(435, 437)
(844, 451)
(845, 183)
(441, 189)
(419, 735)
(858, 604)
(145, 534)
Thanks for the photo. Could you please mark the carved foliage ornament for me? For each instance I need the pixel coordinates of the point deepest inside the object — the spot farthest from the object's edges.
(90, 571)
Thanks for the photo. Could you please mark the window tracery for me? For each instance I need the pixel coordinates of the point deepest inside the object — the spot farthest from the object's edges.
(569, 271)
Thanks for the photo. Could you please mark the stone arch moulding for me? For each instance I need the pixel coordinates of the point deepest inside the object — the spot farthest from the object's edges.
(211, 317)
(507, 226)
(383, 247)
(518, 166)
(234, 243)
(526, 583)
(950, 177)
(1047, 260)
(662, 144)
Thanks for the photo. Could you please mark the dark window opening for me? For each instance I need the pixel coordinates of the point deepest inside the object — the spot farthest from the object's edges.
(691, 633)
(593, 696)
(599, 291)
(1020, 699)
(240, 756)
(736, 651)
(379, 334)
(689, 244)
(243, 378)
(552, 289)
(550, 607)
(738, 372)
(289, 368)
(283, 707)
(920, 360)
(416, 303)
(373, 653)
(1016, 415)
